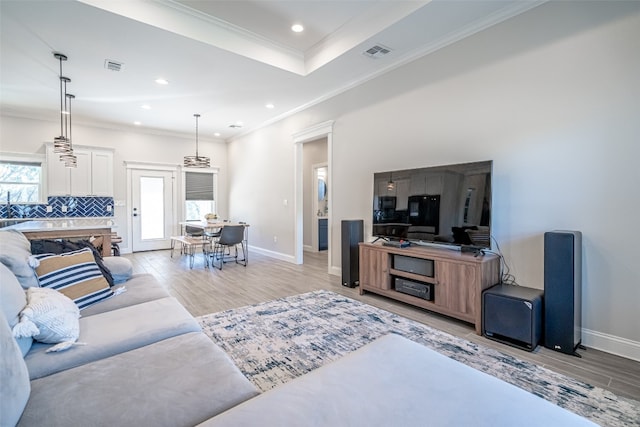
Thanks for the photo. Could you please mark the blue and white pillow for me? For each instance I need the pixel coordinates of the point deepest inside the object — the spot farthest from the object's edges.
(74, 274)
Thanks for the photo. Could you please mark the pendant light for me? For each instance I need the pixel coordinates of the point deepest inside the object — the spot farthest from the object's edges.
(69, 158)
(390, 185)
(196, 161)
(60, 143)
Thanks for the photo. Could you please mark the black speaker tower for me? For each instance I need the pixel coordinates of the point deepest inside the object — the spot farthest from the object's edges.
(352, 234)
(563, 291)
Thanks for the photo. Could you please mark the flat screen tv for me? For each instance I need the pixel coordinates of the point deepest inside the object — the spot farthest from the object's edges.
(448, 205)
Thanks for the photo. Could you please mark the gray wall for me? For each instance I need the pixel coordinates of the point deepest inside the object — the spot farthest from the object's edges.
(550, 96)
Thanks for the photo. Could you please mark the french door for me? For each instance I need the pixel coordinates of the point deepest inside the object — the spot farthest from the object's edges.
(152, 209)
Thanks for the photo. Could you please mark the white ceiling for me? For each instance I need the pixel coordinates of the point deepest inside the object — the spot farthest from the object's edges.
(223, 59)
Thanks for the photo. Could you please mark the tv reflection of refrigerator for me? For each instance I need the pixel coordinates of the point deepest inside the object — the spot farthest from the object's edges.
(387, 207)
(424, 211)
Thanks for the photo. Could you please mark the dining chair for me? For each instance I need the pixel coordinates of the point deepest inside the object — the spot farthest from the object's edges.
(197, 232)
(230, 237)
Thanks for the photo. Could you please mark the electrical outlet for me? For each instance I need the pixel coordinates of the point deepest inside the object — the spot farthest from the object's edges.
(63, 209)
(109, 209)
(275, 239)
(49, 209)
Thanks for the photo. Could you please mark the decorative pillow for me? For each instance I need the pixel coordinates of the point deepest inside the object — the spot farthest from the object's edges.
(61, 246)
(74, 274)
(49, 317)
(15, 253)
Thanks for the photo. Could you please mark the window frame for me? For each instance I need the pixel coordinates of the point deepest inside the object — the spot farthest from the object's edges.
(17, 158)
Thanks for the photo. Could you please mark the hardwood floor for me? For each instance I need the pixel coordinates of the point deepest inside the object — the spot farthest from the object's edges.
(204, 291)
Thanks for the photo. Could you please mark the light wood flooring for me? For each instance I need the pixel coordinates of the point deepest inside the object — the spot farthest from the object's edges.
(203, 291)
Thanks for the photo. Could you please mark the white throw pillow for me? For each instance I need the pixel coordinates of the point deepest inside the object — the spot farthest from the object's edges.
(49, 317)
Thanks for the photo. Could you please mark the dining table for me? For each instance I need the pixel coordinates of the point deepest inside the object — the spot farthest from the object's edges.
(216, 226)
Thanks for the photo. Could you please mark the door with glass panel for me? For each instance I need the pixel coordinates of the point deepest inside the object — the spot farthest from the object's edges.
(152, 209)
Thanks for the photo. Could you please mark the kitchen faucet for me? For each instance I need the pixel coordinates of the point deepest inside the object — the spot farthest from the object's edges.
(9, 205)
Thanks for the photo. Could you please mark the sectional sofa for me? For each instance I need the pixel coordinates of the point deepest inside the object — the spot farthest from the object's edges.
(141, 360)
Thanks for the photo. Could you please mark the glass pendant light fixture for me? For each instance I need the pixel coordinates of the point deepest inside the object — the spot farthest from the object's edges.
(196, 161)
(390, 185)
(70, 160)
(60, 143)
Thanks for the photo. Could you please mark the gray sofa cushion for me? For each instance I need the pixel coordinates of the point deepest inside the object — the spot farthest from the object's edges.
(397, 382)
(139, 289)
(180, 381)
(121, 268)
(14, 378)
(114, 332)
(15, 251)
(12, 301)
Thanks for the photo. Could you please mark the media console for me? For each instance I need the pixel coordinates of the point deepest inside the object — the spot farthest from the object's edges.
(440, 280)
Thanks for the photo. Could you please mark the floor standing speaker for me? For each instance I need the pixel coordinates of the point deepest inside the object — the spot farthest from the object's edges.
(563, 291)
(352, 234)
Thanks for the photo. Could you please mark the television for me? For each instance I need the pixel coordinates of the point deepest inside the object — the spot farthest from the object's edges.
(439, 205)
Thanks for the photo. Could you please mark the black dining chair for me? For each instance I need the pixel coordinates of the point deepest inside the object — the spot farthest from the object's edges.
(230, 237)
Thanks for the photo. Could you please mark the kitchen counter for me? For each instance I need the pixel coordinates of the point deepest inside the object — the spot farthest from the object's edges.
(62, 224)
(68, 227)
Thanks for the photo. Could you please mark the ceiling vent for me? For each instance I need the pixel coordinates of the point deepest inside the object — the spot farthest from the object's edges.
(235, 126)
(113, 65)
(376, 51)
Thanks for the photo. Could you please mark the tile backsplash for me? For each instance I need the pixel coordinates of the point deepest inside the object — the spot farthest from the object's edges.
(75, 206)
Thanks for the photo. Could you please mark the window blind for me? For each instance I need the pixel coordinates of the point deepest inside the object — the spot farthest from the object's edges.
(198, 186)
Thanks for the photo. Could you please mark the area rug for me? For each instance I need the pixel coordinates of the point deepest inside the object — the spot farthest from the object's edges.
(276, 341)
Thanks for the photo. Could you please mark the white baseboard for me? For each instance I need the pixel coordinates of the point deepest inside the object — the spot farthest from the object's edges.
(611, 344)
(273, 254)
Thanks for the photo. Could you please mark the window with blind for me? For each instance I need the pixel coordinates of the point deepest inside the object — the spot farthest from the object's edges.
(199, 189)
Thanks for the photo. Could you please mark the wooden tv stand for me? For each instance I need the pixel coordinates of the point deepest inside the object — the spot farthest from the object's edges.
(456, 279)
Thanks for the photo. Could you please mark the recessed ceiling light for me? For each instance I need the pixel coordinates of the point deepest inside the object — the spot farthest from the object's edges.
(146, 107)
(297, 28)
(137, 123)
(216, 134)
(162, 81)
(270, 106)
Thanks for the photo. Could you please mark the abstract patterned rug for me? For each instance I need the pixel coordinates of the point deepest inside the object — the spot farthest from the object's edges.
(276, 341)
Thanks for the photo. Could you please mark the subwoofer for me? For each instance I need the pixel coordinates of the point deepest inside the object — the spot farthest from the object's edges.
(352, 234)
(563, 291)
(512, 315)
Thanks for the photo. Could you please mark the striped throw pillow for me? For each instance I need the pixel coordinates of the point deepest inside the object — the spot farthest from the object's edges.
(74, 274)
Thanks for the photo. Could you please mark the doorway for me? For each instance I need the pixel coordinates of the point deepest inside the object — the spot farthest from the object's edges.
(318, 217)
(322, 130)
(152, 209)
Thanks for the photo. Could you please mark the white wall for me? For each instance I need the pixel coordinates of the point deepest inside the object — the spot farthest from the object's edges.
(28, 136)
(551, 96)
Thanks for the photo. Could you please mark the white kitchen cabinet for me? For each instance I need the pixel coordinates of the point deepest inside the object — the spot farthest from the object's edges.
(92, 177)
(102, 173)
(58, 176)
